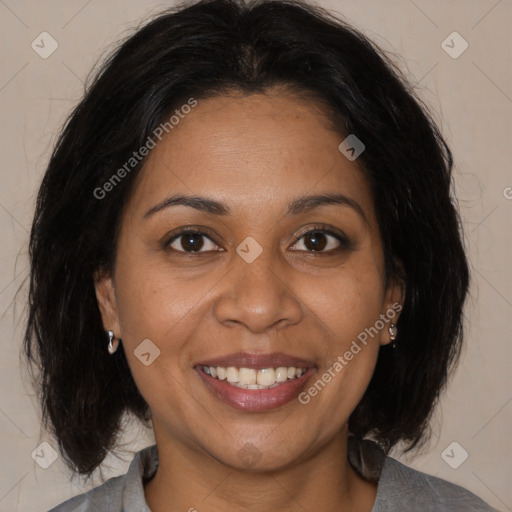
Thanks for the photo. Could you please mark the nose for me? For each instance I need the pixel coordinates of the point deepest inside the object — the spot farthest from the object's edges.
(258, 295)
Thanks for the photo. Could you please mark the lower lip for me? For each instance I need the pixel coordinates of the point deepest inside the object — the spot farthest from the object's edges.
(255, 399)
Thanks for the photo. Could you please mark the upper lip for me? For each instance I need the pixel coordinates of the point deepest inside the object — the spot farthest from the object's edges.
(257, 361)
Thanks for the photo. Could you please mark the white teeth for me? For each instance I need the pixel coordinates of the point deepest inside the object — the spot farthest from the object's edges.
(232, 374)
(281, 374)
(266, 376)
(249, 378)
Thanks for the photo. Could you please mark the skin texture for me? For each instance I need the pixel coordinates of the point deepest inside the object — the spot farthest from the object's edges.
(255, 154)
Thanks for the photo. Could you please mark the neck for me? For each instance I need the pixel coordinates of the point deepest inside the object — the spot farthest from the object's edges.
(188, 479)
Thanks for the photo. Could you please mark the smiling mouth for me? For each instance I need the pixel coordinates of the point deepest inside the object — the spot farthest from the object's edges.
(251, 378)
(255, 382)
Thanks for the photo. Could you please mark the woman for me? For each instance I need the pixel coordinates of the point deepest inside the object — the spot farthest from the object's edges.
(245, 235)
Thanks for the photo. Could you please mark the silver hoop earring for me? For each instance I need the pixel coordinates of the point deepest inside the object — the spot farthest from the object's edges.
(113, 344)
(393, 331)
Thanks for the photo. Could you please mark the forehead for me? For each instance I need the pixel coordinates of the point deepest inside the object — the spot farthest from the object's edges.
(251, 150)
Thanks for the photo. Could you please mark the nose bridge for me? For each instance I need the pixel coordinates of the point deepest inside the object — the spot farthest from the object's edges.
(256, 293)
(258, 273)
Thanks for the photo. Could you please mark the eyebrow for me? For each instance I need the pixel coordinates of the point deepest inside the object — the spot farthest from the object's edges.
(300, 205)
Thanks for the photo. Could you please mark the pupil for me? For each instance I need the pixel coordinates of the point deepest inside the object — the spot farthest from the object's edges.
(317, 240)
(192, 242)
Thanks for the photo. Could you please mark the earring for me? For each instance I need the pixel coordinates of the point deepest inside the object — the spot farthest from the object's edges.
(111, 347)
(393, 331)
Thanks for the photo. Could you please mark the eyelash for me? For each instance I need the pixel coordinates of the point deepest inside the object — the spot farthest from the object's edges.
(345, 243)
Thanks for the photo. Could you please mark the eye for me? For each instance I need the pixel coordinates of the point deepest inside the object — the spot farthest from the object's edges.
(191, 241)
(322, 240)
(319, 239)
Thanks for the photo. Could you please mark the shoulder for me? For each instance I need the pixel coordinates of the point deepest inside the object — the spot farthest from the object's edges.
(121, 493)
(404, 488)
(103, 497)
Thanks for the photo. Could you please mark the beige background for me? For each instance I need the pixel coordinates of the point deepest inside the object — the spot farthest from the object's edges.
(472, 98)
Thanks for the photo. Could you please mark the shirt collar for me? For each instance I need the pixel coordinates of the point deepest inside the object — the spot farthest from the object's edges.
(142, 467)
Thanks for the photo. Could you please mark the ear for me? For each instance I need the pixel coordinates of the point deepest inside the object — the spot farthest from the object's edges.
(107, 302)
(393, 303)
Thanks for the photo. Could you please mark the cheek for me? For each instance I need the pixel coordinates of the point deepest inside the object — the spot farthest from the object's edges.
(349, 301)
(155, 302)
(348, 308)
(161, 306)
(166, 392)
(159, 312)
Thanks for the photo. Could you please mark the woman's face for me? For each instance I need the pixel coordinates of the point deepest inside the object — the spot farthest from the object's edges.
(253, 284)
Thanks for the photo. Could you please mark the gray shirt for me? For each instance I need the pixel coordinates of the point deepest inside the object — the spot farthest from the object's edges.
(400, 488)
